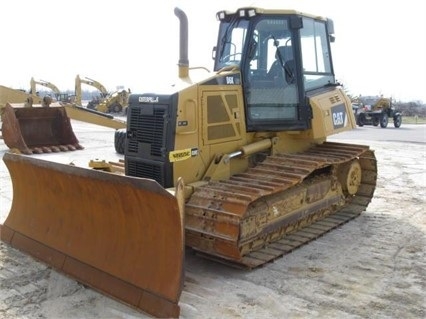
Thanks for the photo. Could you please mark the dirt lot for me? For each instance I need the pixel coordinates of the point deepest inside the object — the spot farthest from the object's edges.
(373, 266)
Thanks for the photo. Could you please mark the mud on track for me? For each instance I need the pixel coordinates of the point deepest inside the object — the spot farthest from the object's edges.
(373, 266)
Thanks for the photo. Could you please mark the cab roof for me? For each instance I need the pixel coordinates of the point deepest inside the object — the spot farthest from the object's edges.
(267, 11)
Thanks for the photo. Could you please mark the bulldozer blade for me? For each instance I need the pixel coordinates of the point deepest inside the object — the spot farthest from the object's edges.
(38, 130)
(122, 236)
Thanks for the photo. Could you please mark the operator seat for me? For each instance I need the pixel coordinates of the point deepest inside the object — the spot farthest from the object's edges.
(277, 70)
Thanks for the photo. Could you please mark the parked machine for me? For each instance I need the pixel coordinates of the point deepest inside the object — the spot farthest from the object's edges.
(115, 102)
(59, 96)
(379, 113)
(106, 102)
(96, 84)
(234, 164)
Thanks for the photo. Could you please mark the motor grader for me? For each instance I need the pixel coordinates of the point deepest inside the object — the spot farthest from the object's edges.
(233, 163)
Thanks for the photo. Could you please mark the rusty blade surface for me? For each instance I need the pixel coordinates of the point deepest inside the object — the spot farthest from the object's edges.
(122, 236)
(38, 130)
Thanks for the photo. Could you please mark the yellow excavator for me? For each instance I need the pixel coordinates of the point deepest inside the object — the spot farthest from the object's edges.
(59, 96)
(107, 102)
(96, 84)
(233, 163)
(34, 83)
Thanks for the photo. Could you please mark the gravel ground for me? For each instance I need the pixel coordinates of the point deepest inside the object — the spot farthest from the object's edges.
(372, 267)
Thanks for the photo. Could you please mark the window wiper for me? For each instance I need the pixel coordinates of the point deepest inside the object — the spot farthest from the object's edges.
(225, 38)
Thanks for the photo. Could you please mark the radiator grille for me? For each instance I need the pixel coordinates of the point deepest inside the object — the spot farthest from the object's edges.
(150, 137)
(146, 170)
(148, 129)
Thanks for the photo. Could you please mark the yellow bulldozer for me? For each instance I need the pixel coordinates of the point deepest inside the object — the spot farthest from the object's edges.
(233, 163)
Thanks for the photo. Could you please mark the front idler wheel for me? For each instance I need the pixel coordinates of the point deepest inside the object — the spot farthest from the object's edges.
(350, 177)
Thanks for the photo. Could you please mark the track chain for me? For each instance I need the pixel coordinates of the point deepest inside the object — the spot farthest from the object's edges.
(278, 173)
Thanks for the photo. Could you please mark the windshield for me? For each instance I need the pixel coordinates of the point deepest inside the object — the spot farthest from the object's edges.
(279, 57)
(232, 38)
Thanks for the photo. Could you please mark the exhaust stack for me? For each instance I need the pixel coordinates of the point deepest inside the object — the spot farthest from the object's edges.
(183, 43)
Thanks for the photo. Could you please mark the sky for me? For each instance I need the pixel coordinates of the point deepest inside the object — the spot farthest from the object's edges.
(380, 47)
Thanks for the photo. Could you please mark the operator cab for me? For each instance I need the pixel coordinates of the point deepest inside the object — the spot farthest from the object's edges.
(282, 56)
